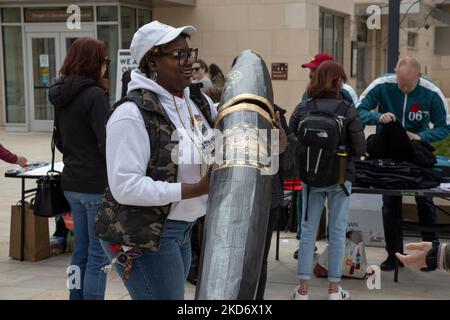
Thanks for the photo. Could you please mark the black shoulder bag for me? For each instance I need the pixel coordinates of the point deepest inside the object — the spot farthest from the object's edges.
(50, 200)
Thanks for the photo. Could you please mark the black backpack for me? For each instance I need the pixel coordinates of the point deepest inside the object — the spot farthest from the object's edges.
(322, 137)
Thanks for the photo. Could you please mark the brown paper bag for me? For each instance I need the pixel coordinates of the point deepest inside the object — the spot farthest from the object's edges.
(37, 238)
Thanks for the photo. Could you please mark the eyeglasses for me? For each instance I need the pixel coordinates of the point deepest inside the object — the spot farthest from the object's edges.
(183, 55)
(196, 69)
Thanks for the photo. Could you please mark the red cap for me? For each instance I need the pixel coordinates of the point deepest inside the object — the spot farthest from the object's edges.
(317, 60)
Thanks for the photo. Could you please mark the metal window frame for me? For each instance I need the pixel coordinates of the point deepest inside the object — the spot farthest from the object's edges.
(25, 126)
(322, 12)
(22, 125)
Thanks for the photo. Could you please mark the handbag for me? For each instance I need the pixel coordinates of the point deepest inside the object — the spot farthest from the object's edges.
(36, 244)
(50, 200)
(354, 263)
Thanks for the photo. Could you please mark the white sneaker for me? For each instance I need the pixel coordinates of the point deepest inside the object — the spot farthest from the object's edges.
(299, 296)
(340, 295)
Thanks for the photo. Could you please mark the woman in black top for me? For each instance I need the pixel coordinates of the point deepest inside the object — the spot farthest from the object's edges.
(81, 106)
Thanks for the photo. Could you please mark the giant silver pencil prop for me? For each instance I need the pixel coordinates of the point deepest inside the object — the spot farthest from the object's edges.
(240, 189)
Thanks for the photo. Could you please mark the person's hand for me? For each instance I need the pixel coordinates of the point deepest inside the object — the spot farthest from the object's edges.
(413, 136)
(282, 136)
(416, 260)
(387, 118)
(203, 184)
(194, 190)
(22, 161)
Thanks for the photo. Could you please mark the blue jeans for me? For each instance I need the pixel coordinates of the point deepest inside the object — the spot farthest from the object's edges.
(160, 275)
(88, 254)
(338, 205)
(298, 211)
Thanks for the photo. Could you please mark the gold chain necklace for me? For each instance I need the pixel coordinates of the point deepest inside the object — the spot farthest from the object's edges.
(191, 116)
(192, 126)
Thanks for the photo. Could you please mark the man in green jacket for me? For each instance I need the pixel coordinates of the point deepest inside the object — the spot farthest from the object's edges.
(416, 102)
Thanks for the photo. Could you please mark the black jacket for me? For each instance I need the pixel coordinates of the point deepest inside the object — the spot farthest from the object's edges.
(356, 140)
(386, 174)
(392, 142)
(81, 107)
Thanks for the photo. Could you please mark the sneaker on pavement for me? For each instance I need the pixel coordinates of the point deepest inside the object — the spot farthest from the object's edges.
(302, 295)
(341, 294)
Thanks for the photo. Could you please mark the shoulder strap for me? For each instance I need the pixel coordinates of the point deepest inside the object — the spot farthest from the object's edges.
(345, 106)
(311, 105)
(341, 109)
(313, 108)
(53, 151)
(314, 104)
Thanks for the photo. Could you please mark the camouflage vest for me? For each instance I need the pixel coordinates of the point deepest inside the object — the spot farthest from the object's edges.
(136, 226)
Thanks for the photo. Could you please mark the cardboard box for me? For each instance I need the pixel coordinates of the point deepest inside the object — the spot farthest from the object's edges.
(365, 215)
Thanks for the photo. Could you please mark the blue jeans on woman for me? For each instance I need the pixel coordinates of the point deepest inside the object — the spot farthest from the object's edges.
(160, 275)
(338, 205)
(88, 254)
(298, 211)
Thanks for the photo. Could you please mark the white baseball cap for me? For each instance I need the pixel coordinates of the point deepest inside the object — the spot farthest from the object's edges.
(155, 34)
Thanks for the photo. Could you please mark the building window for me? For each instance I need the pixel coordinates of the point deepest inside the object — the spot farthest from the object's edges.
(441, 43)
(361, 29)
(110, 35)
(144, 17)
(128, 24)
(43, 108)
(108, 32)
(11, 15)
(331, 35)
(107, 14)
(412, 40)
(14, 78)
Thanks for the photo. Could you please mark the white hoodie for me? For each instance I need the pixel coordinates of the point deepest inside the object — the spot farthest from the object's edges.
(128, 154)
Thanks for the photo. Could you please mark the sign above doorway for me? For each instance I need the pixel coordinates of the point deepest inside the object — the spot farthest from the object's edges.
(56, 14)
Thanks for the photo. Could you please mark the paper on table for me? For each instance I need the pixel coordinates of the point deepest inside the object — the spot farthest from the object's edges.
(42, 171)
(445, 187)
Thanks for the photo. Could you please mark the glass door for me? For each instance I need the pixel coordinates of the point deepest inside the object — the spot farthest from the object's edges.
(46, 55)
(67, 38)
(44, 58)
